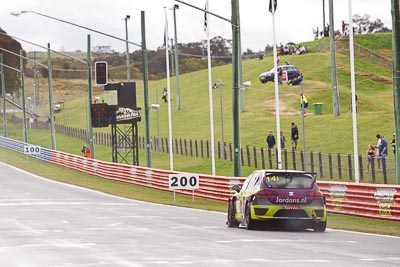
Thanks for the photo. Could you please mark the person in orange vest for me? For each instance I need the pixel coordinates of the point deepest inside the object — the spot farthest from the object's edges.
(88, 152)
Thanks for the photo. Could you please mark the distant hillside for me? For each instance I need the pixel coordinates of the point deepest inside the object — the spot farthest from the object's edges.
(324, 133)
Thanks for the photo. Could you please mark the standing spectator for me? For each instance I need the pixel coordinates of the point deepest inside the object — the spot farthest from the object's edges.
(278, 59)
(343, 28)
(303, 103)
(294, 135)
(378, 156)
(326, 32)
(370, 156)
(383, 151)
(279, 75)
(164, 95)
(393, 144)
(270, 141)
(84, 150)
(283, 140)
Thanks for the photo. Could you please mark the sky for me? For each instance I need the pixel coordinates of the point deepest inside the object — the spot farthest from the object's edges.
(294, 21)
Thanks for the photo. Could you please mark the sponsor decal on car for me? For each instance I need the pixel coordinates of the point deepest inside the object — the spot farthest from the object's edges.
(288, 200)
(291, 207)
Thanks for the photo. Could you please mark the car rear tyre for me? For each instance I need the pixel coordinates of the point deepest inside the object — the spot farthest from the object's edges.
(320, 227)
(249, 222)
(231, 222)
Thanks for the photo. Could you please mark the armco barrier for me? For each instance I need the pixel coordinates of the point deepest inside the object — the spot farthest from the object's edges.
(366, 200)
(372, 201)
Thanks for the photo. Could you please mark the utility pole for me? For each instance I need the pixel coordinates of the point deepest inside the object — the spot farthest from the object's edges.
(237, 167)
(128, 63)
(323, 13)
(396, 77)
(335, 90)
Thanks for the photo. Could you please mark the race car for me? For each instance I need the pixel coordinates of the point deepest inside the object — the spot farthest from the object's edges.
(279, 198)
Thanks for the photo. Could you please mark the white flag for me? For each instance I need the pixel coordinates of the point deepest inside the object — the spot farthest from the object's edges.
(206, 18)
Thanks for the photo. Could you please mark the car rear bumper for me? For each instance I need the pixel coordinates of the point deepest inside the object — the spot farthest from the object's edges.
(271, 212)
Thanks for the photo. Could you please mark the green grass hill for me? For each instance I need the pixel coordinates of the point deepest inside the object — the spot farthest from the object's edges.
(324, 133)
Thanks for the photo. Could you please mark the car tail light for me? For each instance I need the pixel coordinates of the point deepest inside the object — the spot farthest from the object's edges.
(267, 193)
(263, 197)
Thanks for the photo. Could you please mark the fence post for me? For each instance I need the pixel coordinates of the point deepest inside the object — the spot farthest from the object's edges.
(262, 158)
(201, 147)
(360, 160)
(350, 167)
(321, 167)
(330, 166)
(373, 170)
(180, 144)
(339, 166)
(302, 161)
(248, 156)
(255, 157)
(312, 161)
(185, 145)
(269, 158)
(230, 151)
(241, 156)
(285, 155)
(191, 148)
(208, 149)
(294, 159)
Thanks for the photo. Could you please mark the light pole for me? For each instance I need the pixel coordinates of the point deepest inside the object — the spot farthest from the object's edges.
(396, 77)
(128, 64)
(144, 62)
(3, 94)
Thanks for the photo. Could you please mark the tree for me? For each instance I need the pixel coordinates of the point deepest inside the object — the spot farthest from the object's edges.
(11, 77)
(365, 25)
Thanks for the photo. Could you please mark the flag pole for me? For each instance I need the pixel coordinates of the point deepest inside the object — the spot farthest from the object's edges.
(353, 98)
(277, 107)
(171, 154)
(210, 97)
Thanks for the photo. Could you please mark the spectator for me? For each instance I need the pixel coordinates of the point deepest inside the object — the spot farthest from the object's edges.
(317, 34)
(270, 141)
(294, 135)
(298, 78)
(88, 152)
(303, 103)
(378, 156)
(283, 140)
(383, 152)
(279, 75)
(164, 95)
(84, 150)
(370, 156)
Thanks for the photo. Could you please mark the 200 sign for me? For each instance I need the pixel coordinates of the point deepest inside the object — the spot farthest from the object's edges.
(183, 181)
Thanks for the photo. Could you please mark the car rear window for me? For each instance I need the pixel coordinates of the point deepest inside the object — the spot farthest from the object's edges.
(288, 181)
